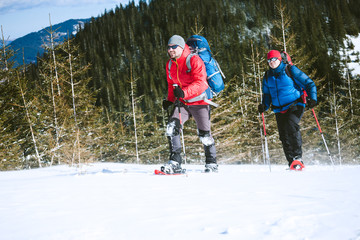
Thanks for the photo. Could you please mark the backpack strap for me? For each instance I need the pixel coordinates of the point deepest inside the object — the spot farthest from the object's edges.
(304, 95)
(218, 66)
(284, 57)
(194, 52)
(266, 76)
(202, 97)
(288, 72)
(188, 58)
(188, 64)
(169, 67)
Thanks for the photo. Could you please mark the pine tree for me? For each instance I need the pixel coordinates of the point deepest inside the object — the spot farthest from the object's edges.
(10, 140)
(30, 121)
(139, 34)
(133, 100)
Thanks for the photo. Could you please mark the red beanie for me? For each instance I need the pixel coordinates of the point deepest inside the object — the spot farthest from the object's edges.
(274, 54)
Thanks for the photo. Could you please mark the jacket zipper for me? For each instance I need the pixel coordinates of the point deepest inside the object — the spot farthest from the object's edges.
(177, 73)
(277, 90)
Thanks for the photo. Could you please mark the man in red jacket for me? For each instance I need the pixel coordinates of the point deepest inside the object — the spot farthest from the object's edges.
(183, 87)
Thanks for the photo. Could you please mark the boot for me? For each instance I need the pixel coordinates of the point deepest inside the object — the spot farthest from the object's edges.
(176, 156)
(171, 167)
(211, 167)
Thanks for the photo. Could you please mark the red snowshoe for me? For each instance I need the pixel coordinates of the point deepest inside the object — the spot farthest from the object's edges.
(297, 165)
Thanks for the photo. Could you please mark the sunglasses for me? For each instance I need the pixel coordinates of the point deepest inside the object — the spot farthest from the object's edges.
(172, 47)
(272, 59)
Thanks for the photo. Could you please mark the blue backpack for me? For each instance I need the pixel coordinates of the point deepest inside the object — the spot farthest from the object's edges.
(200, 46)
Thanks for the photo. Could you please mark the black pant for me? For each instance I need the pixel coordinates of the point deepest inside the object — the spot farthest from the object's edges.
(289, 131)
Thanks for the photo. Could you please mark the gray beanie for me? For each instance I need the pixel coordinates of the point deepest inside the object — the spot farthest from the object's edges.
(177, 40)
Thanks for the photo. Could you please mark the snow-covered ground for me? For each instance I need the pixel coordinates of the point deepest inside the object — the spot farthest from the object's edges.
(354, 65)
(124, 201)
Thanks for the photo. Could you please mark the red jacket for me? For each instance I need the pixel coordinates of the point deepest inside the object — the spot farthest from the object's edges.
(193, 83)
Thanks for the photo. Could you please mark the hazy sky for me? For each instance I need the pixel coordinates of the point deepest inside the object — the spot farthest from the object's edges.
(20, 17)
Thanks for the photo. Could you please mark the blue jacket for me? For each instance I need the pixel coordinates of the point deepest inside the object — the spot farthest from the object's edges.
(281, 91)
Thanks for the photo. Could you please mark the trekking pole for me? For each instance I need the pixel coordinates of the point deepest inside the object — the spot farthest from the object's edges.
(177, 102)
(267, 155)
(169, 139)
(322, 135)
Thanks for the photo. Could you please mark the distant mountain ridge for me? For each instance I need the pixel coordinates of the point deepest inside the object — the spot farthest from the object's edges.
(32, 43)
(7, 42)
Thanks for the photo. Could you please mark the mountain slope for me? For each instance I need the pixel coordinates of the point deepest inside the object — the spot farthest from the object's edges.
(32, 44)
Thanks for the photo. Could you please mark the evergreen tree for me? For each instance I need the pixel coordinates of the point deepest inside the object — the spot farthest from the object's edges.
(10, 140)
(137, 35)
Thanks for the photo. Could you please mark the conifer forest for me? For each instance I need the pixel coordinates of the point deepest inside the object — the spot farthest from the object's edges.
(98, 95)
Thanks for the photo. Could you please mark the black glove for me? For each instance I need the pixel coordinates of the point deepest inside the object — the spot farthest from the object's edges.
(178, 92)
(261, 108)
(311, 103)
(166, 104)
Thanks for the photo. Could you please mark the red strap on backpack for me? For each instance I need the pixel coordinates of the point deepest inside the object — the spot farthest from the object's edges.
(304, 96)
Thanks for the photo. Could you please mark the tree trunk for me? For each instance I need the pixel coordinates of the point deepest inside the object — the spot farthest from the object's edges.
(30, 123)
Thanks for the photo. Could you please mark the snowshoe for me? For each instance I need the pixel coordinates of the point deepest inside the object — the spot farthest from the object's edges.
(297, 165)
(159, 172)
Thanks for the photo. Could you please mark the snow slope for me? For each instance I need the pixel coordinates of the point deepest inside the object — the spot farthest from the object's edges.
(123, 201)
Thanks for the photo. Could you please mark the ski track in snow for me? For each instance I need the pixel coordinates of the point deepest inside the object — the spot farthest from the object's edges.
(127, 201)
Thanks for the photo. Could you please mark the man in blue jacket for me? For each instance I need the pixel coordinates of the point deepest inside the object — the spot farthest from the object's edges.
(283, 86)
